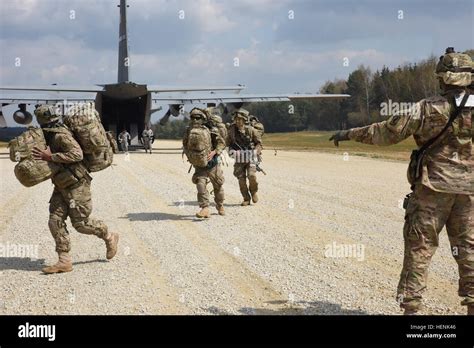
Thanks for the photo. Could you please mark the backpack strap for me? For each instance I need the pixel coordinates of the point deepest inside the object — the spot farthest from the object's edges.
(455, 112)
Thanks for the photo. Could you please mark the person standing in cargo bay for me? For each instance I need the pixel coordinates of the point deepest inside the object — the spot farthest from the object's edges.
(71, 196)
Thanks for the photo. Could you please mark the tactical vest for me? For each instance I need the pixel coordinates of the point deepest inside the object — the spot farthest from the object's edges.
(241, 140)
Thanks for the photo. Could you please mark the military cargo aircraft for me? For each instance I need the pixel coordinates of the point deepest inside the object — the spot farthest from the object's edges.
(129, 105)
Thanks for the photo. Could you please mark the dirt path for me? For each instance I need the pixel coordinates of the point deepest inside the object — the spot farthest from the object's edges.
(268, 258)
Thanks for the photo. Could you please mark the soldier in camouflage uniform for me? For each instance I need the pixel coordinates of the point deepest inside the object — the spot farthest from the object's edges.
(246, 144)
(213, 172)
(443, 192)
(71, 196)
(147, 139)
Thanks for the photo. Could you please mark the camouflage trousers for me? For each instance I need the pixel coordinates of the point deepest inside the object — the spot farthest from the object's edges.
(124, 146)
(200, 178)
(76, 203)
(426, 215)
(242, 171)
(147, 143)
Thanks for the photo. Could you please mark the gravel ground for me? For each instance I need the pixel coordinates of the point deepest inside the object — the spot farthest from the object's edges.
(268, 258)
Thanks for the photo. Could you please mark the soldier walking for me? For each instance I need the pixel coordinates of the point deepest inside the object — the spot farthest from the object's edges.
(124, 138)
(203, 147)
(245, 143)
(147, 138)
(71, 196)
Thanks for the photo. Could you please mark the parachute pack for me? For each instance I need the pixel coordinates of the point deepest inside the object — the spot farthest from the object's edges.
(29, 171)
(198, 146)
(98, 145)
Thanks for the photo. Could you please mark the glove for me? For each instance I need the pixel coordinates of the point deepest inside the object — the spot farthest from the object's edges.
(340, 136)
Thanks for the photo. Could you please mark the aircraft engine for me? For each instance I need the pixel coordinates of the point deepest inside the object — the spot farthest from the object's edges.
(175, 110)
(22, 117)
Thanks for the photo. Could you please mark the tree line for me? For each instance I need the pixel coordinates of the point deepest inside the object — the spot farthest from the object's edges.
(407, 83)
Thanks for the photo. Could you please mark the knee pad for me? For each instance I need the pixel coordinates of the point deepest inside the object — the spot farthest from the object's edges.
(56, 224)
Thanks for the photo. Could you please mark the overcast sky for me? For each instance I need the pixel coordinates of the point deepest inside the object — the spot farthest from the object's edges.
(282, 46)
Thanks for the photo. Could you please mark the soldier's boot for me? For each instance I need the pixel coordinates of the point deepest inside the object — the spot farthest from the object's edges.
(244, 190)
(64, 264)
(204, 213)
(470, 309)
(111, 243)
(220, 210)
(253, 188)
(410, 311)
(254, 197)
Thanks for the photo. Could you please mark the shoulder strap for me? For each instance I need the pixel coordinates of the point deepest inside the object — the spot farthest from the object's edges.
(417, 155)
(454, 114)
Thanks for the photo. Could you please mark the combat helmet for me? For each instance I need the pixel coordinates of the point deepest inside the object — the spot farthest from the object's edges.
(197, 113)
(455, 70)
(46, 114)
(241, 113)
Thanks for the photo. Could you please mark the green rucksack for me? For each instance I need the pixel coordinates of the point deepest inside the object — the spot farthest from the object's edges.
(198, 146)
(215, 121)
(30, 171)
(98, 146)
(255, 123)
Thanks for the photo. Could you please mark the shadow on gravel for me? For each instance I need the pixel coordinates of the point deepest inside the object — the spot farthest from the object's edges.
(162, 152)
(196, 204)
(156, 216)
(90, 261)
(297, 308)
(21, 264)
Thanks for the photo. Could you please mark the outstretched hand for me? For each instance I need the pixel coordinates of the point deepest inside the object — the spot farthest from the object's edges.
(339, 136)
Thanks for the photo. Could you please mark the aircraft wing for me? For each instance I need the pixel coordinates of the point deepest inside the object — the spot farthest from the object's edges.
(241, 98)
(186, 89)
(41, 99)
(47, 94)
(232, 100)
(54, 88)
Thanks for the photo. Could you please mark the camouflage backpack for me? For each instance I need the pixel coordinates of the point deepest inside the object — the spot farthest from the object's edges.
(198, 146)
(255, 123)
(98, 146)
(214, 120)
(29, 171)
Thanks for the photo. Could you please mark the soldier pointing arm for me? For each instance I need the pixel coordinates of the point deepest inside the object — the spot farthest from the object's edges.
(441, 174)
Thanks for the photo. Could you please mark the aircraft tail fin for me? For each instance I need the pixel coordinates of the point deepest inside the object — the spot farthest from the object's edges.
(123, 58)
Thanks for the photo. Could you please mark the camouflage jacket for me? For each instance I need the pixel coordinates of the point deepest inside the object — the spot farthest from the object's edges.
(65, 150)
(448, 165)
(250, 138)
(217, 143)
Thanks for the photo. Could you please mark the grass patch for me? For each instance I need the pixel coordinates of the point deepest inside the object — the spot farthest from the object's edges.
(319, 141)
